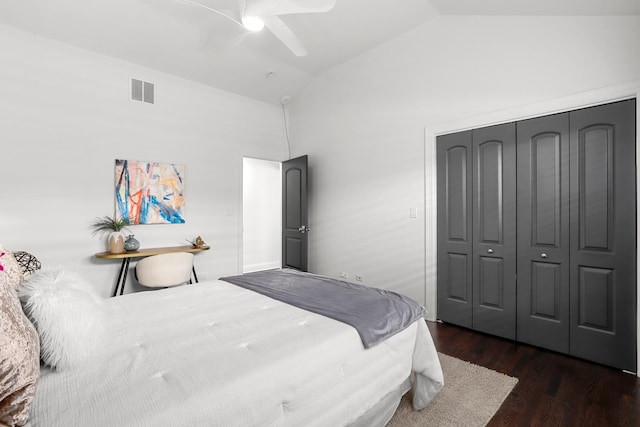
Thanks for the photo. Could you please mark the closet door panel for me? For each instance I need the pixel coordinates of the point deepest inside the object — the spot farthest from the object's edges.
(546, 301)
(597, 296)
(494, 230)
(603, 230)
(454, 229)
(543, 232)
(457, 288)
(490, 283)
(596, 187)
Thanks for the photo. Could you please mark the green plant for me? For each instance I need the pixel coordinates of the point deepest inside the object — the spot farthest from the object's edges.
(108, 224)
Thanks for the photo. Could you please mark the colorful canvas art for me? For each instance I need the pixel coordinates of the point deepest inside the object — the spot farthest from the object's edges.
(149, 192)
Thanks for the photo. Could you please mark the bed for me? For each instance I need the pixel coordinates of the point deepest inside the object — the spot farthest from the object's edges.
(217, 354)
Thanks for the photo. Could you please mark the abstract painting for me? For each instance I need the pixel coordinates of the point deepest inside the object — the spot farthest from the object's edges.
(149, 192)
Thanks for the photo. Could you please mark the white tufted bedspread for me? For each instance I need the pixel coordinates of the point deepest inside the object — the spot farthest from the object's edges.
(213, 354)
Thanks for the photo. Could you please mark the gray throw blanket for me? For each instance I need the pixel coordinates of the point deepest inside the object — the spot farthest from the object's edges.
(376, 314)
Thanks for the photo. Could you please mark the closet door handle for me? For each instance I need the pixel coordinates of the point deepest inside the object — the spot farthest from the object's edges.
(489, 251)
(543, 256)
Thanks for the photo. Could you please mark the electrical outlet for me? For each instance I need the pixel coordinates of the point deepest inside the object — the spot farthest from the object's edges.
(344, 275)
(359, 278)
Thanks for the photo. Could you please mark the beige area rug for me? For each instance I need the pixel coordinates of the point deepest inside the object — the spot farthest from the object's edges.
(471, 395)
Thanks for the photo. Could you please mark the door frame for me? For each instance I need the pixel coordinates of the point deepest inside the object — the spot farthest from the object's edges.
(240, 210)
(557, 105)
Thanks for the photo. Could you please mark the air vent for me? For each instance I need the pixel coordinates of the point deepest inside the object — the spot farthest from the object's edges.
(142, 91)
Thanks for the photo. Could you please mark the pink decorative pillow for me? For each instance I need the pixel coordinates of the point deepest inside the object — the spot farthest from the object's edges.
(10, 267)
(19, 350)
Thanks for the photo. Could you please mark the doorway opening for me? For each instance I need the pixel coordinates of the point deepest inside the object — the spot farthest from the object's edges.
(261, 214)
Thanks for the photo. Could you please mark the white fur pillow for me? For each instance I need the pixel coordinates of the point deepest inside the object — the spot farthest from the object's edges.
(67, 315)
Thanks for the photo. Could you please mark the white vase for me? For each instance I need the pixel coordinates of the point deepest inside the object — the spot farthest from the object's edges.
(116, 242)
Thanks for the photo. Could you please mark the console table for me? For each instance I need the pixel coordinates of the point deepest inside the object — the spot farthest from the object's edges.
(141, 253)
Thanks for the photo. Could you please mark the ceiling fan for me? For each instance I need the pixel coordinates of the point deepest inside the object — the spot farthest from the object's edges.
(253, 15)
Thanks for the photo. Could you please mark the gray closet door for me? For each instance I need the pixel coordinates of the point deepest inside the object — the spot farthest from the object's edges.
(543, 232)
(494, 230)
(454, 280)
(603, 234)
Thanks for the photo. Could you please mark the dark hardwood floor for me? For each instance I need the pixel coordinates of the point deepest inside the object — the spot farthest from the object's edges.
(553, 389)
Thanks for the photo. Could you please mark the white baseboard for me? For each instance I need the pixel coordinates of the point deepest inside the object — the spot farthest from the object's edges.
(269, 265)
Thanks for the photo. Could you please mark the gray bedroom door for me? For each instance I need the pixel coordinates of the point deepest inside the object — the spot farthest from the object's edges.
(603, 234)
(455, 238)
(295, 225)
(494, 230)
(543, 232)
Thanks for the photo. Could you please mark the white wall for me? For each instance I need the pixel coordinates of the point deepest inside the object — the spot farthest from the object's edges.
(65, 117)
(261, 215)
(362, 124)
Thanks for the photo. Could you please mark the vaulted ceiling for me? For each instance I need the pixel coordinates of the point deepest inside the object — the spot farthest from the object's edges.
(179, 38)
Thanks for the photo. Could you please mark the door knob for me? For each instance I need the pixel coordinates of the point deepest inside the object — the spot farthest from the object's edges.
(304, 229)
(543, 256)
(490, 251)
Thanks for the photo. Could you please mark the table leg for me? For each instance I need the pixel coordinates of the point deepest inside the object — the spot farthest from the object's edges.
(124, 279)
(122, 276)
(194, 273)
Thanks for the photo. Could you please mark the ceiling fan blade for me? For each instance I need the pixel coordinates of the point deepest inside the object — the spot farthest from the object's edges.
(286, 7)
(230, 13)
(284, 33)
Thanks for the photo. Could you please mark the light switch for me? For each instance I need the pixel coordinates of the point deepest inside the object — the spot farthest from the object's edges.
(413, 213)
